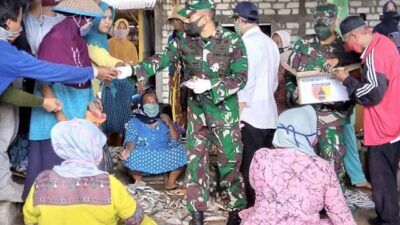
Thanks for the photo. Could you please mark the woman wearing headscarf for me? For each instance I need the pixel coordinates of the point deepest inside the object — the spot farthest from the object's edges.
(282, 40)
(80, 193)
(292, 183)
(38, 20)
(390, 19)
(116, 96)
(63, 44)
(153, 145)
(120, 46)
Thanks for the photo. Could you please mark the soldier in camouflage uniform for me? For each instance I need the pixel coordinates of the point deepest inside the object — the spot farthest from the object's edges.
(215, 67)
(324, 51)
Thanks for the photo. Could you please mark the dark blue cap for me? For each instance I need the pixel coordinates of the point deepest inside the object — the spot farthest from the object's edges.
(247, 11)
(351, 23)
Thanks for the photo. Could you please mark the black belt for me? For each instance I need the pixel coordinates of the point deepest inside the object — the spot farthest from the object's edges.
(88, 84)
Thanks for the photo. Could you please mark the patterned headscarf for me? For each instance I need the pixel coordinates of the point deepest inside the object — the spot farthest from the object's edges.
(297, 130)
(80, 143)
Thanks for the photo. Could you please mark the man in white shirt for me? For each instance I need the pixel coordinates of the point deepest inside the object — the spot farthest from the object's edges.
(258, 110)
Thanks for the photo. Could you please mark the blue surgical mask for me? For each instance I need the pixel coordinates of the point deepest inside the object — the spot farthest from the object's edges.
(151, 109)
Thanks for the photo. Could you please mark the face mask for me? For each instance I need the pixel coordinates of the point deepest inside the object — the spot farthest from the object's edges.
(84, 30)
(237, 29)
(121, 33)
(9, 35)
(193, 29)
(323, 32)
(353, 47)
(151, 109)
(388, 17)
(84, 24)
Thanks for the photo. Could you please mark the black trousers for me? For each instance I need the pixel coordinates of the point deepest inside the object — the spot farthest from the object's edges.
(253, 139)
(383, 164)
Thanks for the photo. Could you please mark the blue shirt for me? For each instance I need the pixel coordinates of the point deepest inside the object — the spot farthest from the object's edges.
(18, 64)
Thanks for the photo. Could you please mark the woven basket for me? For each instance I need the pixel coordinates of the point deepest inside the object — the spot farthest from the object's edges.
(79, 7)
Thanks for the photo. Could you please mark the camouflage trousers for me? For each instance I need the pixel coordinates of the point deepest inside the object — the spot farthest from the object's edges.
(331, 148)
(200, 139)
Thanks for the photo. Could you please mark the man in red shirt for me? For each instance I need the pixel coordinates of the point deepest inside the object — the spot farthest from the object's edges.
(379, 92)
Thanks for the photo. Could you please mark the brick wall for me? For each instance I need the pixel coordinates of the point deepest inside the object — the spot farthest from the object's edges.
(293, 15)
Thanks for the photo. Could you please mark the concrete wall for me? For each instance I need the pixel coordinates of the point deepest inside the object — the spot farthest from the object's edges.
(293, 15)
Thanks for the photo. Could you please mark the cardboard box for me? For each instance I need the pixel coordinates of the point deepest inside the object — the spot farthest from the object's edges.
(320, 88)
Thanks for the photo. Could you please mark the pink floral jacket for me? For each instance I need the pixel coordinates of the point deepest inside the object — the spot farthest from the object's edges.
(292, 188)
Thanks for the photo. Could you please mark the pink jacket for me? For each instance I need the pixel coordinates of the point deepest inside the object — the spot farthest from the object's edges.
(292, 188)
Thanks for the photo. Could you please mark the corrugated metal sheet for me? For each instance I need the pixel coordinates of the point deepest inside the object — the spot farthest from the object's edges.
(132, 4)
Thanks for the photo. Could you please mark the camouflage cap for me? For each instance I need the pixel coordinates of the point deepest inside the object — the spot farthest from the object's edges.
(192, 6)
(325, 14)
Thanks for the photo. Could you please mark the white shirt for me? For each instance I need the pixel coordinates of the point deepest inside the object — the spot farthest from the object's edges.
(258, 94)
(37, 29)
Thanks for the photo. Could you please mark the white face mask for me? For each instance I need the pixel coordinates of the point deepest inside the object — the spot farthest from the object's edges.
(9, 35)
(121, 33)
(85, 29)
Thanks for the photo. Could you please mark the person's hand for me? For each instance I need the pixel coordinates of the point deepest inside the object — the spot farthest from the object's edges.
(106, 73)
(51, 105)
(60, 116)
(331, 63)
(167, 120)
(99, 104)
(340, 74)
(124, 155)
(95, 106)
(198, 86)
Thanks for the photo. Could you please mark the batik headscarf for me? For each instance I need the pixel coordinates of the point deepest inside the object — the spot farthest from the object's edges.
(141, 115)
(95, 37)
(297, 130)
(80, 143)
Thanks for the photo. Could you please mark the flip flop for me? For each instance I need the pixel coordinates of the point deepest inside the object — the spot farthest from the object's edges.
(176, 191)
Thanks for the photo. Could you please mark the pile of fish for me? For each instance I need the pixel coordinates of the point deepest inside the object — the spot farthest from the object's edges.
(172, 210)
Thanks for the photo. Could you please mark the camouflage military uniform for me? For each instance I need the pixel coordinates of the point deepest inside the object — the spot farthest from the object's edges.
(213, 117)
(308, 54)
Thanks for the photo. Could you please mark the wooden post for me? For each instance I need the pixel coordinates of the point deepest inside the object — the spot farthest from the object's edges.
(141, 35)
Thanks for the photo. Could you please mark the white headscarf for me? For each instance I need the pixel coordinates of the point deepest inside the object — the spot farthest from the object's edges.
(297, 130)
(285, 37)
(80, 143)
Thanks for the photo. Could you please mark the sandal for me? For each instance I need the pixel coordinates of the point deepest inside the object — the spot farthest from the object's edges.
(176, 191)
(365, 185)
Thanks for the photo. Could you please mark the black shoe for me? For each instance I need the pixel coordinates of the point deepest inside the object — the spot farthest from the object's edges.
(234, 218)
(197, 218)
